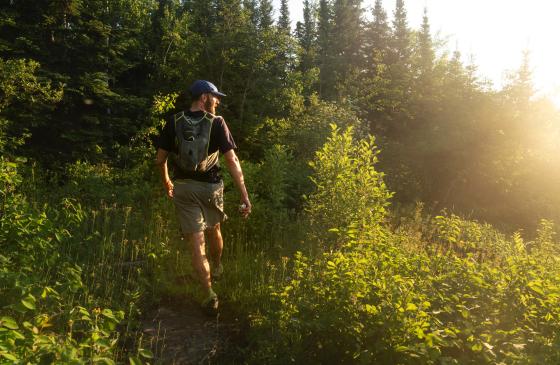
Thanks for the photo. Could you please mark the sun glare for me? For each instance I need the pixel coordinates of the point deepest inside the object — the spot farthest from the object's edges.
(497, 32)
(494, 33)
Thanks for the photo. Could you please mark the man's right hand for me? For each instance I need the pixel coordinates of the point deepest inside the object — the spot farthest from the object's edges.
(161, 162)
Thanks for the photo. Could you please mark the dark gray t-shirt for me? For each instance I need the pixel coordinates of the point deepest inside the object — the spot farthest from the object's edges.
(220, 140)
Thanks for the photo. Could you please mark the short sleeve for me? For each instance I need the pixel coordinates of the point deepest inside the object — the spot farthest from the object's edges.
(222, 136)
(166, 139)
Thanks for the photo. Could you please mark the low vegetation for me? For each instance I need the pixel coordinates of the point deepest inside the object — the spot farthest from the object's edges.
(76, 277)
(404, 209)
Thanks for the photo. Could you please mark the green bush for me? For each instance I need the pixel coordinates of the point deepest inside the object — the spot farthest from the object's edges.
(65, 282)
(432, 291)
(39, 320)
(268, 183)
(376, 302)
(349, 191)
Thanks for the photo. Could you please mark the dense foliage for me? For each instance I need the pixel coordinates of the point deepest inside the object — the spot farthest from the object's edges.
(437, 290)
(339, 262)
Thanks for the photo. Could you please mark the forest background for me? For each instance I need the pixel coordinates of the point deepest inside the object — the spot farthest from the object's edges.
(85, 86)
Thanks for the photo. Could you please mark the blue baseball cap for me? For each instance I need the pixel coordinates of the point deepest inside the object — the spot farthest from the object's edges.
(200, 87)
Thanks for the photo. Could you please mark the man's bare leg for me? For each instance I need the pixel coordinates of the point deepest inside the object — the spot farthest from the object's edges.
(216, 242)
(199, 260)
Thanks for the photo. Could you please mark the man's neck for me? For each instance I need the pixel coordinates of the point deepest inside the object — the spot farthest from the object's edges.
(197, 107)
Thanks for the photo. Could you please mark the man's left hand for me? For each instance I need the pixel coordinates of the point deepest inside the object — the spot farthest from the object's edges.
(169, 188)
(245, 207)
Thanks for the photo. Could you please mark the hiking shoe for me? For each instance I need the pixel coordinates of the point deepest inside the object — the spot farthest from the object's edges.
(210, 305)
(217, 272)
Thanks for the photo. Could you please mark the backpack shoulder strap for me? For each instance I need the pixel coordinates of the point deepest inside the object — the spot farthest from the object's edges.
(177, 125)
(178, 116)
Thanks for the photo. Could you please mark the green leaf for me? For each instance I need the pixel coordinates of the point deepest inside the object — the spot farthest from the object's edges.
(411, 307)
(9, 323)
(477, 347)
(17, 335)
(109, 314)
(146, 353)
(103, 360)
(29, 302)
(133, 360)
(9, 356)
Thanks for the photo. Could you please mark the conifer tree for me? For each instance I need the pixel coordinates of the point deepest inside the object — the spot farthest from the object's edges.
(399, 64)
(251, 10)
(346, 38)
(426, 54)
(379, 32)
(520, 87)
(87, 46)
(306, 34)
(284, 18)
(285, 53)
(401, 33)
(265, 15)
(325, 57)
(423, 72)
(203, 16)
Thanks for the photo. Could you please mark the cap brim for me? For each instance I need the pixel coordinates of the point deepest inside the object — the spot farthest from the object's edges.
(217, 93)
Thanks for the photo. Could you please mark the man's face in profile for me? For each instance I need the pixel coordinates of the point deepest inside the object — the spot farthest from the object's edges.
(211, 102)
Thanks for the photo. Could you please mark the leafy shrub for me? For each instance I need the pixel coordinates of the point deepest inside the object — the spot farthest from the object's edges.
(38, 321)
(377, 302)
(466, 237)
(63, 288)
(349, 191)
(95, 184)
(268, 184)
(304, 131)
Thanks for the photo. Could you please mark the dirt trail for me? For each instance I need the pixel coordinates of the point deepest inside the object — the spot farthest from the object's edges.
(181, 333)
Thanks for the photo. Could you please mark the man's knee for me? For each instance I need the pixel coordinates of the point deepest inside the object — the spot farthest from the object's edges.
(213, 231)
(195, 240)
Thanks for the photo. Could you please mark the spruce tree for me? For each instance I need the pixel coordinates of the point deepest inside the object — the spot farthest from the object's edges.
(520, 87)
(285, 41)
(379, 32)
(426, 54)
(346, 38)
(325, 57)
(284, 18)
(401, 33)
(306, 34)
(265, 15)
(87, 46)
(399, 64)
(251, 9)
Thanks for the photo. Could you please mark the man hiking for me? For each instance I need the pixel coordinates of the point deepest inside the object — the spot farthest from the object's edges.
(196, 137)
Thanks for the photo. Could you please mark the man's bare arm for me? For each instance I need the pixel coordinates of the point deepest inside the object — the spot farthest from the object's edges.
(234, 168)
(161, 162)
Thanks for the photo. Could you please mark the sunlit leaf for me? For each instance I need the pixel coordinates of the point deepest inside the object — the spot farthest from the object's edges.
(9, 323)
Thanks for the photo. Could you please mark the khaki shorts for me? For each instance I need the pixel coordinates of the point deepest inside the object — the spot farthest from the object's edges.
(199, 205)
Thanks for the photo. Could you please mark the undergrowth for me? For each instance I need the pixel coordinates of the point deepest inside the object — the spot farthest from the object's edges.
(340, 282)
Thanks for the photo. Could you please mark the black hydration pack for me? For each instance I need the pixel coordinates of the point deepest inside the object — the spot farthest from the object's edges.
(193, 139)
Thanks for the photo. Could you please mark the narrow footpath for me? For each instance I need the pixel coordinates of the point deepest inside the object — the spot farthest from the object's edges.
(181, 334)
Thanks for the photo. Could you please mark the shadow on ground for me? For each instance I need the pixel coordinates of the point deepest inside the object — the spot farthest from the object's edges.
(179, 332)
